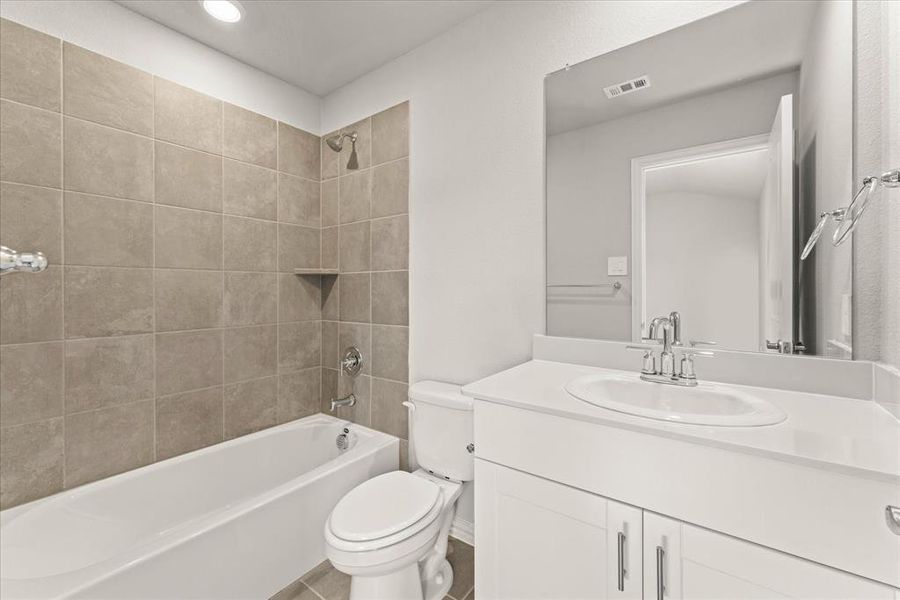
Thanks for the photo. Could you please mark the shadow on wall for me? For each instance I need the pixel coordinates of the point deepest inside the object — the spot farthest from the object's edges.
(806, 277)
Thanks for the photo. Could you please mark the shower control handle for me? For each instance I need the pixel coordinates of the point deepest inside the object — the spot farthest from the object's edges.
(351, 362)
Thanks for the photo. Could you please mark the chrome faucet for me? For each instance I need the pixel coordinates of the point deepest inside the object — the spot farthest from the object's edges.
(667, 332)
(348, 401)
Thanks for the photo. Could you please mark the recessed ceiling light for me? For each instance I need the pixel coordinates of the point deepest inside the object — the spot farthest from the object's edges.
(229, 11)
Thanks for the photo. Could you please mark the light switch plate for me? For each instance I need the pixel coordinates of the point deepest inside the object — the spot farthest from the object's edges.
(617, 265)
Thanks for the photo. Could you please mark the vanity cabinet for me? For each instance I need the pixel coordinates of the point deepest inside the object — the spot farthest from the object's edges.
(538, 539)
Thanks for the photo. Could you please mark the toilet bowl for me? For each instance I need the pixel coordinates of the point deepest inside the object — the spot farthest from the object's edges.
(390, 533)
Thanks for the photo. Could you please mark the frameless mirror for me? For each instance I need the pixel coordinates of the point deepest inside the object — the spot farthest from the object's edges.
(685, 173)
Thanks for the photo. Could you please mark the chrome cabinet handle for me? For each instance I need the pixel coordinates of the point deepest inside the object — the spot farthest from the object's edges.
(892, 515)
(621, 561)
(660, 583)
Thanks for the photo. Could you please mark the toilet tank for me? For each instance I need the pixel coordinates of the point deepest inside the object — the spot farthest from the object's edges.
(441, 429)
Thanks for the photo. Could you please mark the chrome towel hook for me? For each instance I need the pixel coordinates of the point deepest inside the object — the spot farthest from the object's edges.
(848, 218)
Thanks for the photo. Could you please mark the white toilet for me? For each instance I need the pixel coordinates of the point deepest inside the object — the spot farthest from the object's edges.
(390, 532)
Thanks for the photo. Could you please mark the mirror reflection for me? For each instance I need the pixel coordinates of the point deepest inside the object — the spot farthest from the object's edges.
(684, 173)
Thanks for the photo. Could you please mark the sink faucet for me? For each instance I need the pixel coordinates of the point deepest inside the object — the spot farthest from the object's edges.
(667, 332)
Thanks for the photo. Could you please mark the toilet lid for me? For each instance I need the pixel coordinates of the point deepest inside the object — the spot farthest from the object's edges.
(383, 506)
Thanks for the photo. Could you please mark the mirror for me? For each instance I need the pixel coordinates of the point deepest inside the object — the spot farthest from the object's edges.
(685, 173)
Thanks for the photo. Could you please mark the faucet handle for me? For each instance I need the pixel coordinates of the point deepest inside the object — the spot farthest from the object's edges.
(648, 366)
(687, 363)
(695, 343)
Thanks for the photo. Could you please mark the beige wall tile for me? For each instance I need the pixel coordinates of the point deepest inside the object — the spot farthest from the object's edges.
(331, 298)
(355, 298)
(355, 196)
(360, 336)
(329, 389)
(390, 244)
(31, 383)
(188, 299)
(103, 301)
(103, 372)
(189, 421)
(298, 152)
(390, 134)
(298, 247)
(390, 357)
(187, 239)
(104, 442)
(249, 136)
(330, 248)
(250, 298)
(404, 457)
(300, 298)
(249, 191)
(32, 307)
(249, 244)
(250, 406)
(388, 413)
(361, 387)
(188, 118)
(298, 394)
(30, 219)
(299, 345)
(363, 131)
(355, 246)
(331, 351)
(330, 203)
(31, 461)
(330, 158)
(105, 231)
(188, 178)
(106, 161)
(30, 145)
(390, 298)
(250, 352)
(390, 189)
(298, 201)
(106, 91)
(188, 360)
(29, 66)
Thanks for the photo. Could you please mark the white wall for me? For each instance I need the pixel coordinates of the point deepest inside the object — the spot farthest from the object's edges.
(825, 156)
(114, 31)
(713, 243)
(876, 242)
(589, 187)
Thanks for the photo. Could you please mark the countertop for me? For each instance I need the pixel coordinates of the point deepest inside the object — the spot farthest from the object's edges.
(857, 437)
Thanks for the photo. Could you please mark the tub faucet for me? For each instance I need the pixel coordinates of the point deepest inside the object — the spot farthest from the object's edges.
(348, 401)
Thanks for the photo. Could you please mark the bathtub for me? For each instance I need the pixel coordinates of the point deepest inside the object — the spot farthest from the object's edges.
(241, 519)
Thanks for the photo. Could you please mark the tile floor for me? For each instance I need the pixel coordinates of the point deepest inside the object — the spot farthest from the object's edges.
(325, 583)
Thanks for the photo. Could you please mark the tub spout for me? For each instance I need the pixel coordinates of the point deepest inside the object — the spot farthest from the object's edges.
(348, 400)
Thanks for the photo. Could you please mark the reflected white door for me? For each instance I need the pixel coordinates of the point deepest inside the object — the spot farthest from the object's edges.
(777, 232)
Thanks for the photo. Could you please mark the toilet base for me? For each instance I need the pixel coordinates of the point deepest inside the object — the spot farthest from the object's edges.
(399, 585)
(438, 586)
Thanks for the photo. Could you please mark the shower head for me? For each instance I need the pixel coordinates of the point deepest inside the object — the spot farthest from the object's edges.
(336, 143)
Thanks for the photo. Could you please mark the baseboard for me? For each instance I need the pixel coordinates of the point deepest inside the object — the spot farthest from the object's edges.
(463, 531)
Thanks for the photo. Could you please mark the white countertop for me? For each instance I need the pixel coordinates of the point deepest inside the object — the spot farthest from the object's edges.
(858, 437)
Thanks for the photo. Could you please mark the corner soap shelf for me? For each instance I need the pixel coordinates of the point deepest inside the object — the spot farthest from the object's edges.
(315, 271)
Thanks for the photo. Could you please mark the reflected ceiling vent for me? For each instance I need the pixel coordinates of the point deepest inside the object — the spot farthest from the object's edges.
(626, 87)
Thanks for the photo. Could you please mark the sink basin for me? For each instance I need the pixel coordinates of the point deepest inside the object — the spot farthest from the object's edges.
(705, 404)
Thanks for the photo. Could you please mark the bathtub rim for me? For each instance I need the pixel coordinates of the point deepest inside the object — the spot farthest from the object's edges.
(72, 582)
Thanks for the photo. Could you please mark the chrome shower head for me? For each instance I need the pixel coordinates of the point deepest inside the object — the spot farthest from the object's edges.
(336, 143)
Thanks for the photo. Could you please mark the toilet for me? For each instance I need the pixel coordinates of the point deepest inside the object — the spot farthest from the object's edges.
(390, 532)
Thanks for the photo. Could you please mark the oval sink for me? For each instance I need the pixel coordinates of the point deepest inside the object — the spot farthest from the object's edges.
(705, 404)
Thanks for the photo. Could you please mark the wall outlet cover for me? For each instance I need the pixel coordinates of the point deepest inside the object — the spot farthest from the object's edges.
(617, 265)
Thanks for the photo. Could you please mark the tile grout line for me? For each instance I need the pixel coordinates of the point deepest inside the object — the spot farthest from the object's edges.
(62, 255)
(153, 261)
(222, 206)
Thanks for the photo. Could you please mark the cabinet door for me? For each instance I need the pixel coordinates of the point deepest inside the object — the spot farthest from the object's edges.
(539, 539)
(684, 562)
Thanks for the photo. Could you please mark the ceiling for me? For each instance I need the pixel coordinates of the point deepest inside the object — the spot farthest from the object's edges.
(744, 43)
(739, 175)
(316, 45)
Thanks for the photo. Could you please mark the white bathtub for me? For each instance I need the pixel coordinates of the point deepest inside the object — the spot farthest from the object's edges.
(241, 519)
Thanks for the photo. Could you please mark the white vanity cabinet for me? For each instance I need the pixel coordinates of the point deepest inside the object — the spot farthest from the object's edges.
(538, 539)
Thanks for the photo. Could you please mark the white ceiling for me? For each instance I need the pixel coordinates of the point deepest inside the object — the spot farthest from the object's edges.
(740, 175)
(740, 44)
(316, 45)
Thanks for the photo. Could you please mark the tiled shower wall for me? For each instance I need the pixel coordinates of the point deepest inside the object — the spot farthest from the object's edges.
(365, 235)
(170, 318)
